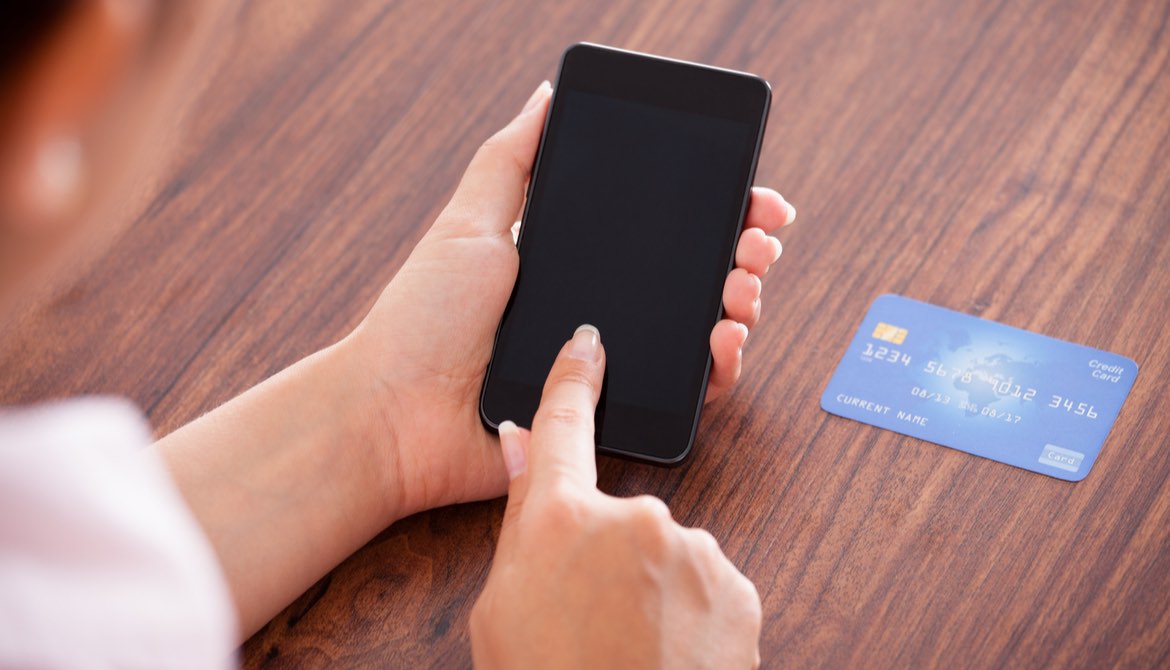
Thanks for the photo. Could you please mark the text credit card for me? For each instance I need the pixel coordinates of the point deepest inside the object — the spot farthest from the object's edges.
(1016, 397)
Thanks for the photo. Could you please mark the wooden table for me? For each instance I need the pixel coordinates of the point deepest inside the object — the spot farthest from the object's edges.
(1007, 159)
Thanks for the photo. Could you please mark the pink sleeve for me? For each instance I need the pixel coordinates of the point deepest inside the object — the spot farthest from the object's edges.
(101, 562)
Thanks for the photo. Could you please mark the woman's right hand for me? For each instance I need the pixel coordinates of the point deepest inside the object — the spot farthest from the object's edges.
(583, 579)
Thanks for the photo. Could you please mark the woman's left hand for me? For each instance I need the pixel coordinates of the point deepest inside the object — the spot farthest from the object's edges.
(427, 340)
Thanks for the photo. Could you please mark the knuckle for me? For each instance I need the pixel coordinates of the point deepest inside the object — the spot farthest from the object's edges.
(575, 374)
(498, 153)
(705, 544)
(751, 599)
(651, 509)
(562, 415)
(651, 524)
(490, 148)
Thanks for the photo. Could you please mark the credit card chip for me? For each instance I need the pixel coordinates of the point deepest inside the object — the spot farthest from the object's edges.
(892, 334)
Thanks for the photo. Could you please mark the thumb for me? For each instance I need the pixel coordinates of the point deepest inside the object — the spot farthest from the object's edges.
(489, 196)
(514, 442)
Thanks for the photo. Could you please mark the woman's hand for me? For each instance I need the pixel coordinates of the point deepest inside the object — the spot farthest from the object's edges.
(585, 580)
(298, 472)
(428, 339)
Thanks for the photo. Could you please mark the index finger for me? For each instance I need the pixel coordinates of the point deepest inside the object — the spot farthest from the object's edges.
(562, 444)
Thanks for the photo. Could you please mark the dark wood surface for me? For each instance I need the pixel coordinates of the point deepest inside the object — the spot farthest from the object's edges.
(1008, 159)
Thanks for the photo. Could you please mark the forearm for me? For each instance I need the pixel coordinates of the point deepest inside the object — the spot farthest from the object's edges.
(287, 480)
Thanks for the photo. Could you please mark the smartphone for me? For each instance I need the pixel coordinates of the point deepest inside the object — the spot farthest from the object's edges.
(636, 201)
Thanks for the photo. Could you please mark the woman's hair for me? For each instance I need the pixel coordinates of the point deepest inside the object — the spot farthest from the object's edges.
(24, 24)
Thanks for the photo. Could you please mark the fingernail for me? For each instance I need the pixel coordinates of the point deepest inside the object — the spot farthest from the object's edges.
(791, 214)
(586, 344)
(536, 96)
(743, 333)
(777, 248)
(514, 459)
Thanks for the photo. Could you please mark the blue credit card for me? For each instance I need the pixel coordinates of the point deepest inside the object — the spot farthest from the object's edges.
(1016, 397)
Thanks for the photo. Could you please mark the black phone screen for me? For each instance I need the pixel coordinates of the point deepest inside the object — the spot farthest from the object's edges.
(637, 198)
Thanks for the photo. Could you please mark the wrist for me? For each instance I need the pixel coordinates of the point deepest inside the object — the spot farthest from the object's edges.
(422, 427)
(366, 408)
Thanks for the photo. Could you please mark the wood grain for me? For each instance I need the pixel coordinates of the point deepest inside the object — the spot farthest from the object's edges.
(1006, 159)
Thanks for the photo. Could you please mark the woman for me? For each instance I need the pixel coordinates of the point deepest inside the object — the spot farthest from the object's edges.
(170, 556)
